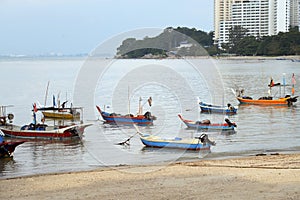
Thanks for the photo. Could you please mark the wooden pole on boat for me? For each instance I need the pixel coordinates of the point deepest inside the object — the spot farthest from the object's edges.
(140, 112)
(283, 82)
(46, 95)
(128, 101)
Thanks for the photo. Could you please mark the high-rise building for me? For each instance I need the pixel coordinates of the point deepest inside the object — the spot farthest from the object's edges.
(294, 10)
(259, 17)
(222, 13)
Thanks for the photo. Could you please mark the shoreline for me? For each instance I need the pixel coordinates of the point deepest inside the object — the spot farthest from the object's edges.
(296, 58)
(267, 176)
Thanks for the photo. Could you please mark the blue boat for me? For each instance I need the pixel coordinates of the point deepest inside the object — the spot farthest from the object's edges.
(209, 108)
(206, 125)
(146, 119)
(199, 143)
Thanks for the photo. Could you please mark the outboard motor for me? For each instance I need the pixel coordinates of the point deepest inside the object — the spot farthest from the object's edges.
(204, 139)
(230, 107)
(10, 117)
(230, 123)
(205, 121)
(147, 115)
(291, 100)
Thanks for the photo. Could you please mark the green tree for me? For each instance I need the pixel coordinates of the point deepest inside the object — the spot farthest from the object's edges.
(236, 34)
(247, 46)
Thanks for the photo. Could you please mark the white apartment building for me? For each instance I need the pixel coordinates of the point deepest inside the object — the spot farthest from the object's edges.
(259, 17)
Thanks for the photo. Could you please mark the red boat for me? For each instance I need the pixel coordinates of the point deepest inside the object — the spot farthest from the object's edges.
(7, 148)
(42, 131)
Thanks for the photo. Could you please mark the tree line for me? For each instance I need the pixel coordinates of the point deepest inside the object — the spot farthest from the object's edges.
(183, 41)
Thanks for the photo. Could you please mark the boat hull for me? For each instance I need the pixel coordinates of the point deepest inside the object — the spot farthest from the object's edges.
(216, 109)
(275, 102)
(176, 143)
(57, 115)
(222, 127)
(125, 119)
(70, 132)
(214, 126)
(7, 148)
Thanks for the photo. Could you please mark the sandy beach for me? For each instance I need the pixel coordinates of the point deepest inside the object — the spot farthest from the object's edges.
(255, 177)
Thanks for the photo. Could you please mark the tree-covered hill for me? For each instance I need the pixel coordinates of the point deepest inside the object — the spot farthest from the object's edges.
(183, 41)
(179, 41)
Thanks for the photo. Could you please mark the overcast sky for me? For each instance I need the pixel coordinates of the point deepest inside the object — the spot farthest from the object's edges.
(33, 27)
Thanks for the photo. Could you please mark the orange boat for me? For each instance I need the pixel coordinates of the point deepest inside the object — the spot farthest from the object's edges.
(286, 101)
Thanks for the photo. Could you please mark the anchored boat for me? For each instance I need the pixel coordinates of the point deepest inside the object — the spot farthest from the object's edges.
(282, 100)
(197, 144)
(209, 108)
(207, 125)
(129, 119)
(7, 148)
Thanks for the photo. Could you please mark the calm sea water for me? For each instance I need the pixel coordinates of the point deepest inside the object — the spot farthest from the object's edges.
(174, 85)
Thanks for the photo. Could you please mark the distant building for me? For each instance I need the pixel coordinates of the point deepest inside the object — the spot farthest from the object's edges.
(295, 16)
(259, 17)
(184, 44)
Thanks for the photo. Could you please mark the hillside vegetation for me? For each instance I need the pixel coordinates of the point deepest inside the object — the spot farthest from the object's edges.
(183, 41)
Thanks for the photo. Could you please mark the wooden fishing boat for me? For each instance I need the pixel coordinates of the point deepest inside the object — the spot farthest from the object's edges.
(42, 131)
(200, 143)
(209, 108)
(284, 101)
(129, 119)
(60, 113)
(206, 125)
(7, 148)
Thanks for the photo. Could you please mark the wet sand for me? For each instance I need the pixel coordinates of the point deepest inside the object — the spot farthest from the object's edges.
(255, 177)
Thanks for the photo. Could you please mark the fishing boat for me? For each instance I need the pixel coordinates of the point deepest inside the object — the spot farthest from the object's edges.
(207, 125)
(61, 113)
(283, 101)
(129, 119)
(209, 108)
(199, 143)
(43, 131)
(7, 148)
(270, 100)
(58, 110)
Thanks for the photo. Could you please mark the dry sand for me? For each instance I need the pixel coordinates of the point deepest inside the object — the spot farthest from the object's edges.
(257, 177)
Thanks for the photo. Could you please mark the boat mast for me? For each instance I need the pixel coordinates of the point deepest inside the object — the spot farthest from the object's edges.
(283, 82)
(140, 112)
(46, 95)
(128, 102)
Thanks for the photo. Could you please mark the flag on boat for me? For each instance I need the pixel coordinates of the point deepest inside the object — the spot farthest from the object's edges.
(54, 104)
(35, 108)
(294, 83)
(271, 82)
(293, 79)
(150, 101)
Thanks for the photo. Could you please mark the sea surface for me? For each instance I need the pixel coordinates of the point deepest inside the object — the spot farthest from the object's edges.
(175, 85)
